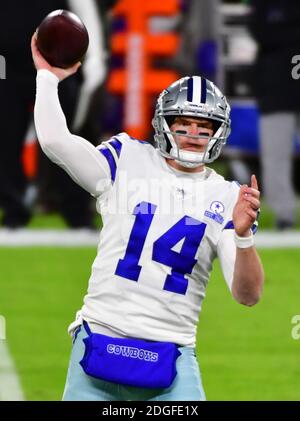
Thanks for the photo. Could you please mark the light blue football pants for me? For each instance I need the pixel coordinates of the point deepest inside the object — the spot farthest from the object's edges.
(187, 385)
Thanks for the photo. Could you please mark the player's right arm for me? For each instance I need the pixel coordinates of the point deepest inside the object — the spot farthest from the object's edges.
(79, 158)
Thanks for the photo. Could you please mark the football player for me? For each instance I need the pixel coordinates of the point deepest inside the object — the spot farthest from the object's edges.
(166, 216)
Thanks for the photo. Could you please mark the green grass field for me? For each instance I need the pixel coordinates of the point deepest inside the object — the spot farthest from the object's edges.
(245, 353)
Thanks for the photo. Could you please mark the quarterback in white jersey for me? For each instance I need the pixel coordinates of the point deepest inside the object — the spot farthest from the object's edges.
(166, 216)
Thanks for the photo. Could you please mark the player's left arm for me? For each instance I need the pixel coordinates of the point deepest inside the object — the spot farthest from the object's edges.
(248, 274)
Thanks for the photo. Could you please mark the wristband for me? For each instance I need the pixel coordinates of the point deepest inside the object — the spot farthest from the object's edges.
(244, 242)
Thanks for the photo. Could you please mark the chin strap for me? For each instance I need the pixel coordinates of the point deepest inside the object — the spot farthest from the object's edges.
(186, 158)
(187, 164)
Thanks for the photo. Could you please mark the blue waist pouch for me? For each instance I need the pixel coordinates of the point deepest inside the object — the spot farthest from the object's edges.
(129, 361)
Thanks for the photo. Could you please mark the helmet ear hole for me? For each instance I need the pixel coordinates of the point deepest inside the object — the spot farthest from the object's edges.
(170, 119)
(216, 125)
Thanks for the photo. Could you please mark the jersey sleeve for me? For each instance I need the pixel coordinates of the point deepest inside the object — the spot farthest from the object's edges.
(111, 150)
(226, 251)
(78, 157)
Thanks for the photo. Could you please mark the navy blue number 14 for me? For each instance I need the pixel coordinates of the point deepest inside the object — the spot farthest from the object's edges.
(181, 263)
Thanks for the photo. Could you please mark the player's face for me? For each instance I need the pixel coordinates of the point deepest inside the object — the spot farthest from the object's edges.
(188, 126)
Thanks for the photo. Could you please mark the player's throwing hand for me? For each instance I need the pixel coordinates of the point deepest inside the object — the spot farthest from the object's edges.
(41, 63)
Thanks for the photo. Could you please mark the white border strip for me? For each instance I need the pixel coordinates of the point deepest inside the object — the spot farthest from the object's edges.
(10, 387)
(81, 238)
(65, 238)
(282, 239)
(196, 89)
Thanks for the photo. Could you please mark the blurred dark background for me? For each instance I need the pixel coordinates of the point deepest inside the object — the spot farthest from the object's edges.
(248, 48)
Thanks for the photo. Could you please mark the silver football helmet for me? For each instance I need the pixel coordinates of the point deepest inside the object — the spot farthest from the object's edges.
(191, 97)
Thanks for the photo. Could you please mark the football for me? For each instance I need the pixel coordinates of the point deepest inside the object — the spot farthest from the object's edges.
(62, 39)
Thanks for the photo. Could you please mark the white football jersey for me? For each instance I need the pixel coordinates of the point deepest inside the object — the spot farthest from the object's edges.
(162, 229)
(161, 232)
